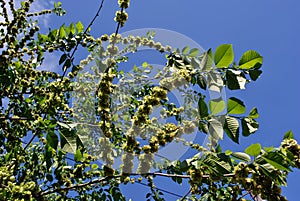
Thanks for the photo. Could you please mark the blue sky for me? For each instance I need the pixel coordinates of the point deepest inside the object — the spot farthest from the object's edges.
(272, 27)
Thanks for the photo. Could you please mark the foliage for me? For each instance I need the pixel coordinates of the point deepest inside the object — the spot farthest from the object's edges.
(48, 151)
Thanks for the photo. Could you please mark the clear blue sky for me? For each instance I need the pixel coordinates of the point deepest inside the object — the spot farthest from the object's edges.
(271, 27)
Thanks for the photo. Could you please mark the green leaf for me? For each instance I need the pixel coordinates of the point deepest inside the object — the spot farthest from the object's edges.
(215, 128)
(193, 52)
(241, 156)
(277, 165)
(235, 79)
(79, 27)
(249, 126)
(235, 106)
(144, 64)
(68, 141)
(78, 156)
(254, 74)
(95, 166)
(231, 128)
(202, 108)
(185, 50)
(216, 106)
(250, 59)
(253, 113)
(62, 59)
(224, 56)
(52, 139)
(253, 150)
(62, 33)
(72, 28)
(201, 81)
(288, 135)
(207, 60)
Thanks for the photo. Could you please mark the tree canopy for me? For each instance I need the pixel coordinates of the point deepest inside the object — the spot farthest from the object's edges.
(98, 124)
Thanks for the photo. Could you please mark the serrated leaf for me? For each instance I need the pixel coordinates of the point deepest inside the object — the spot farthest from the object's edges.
(235, 106)
(185, 50)
(79, 27)
(288, 135)
(215, 128)
(231, 127)
(193, 52)
(250, 59)
(202, 108)
(224, 56)
(241, 156)
(254, 113)
(253, 150)
(216, 106)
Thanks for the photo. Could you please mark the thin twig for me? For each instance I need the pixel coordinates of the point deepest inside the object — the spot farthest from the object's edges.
(85, 31)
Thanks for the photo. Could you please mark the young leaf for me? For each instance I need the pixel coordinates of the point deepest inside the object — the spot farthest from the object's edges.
(72, 28)
(224, 56)
(253, 113)
(288, 135)
(78, 156)
(216, 106)
(231, 127)
(62, 33)
(253, 150)
(185, 50)
(241, 156)
(79, 27)
(235, 106)
(250, 59)
(193, 52)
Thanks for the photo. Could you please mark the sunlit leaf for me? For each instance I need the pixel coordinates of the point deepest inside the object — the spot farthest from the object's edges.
(216, 106)
(185, 50)
(250, 59)
(253, 150)
(235, 106)
(288, 135)
(79, 27)
(224, 56)
(193, 52)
